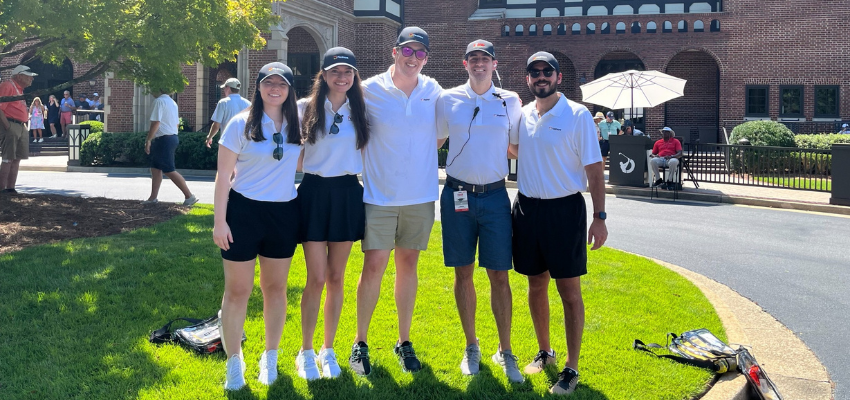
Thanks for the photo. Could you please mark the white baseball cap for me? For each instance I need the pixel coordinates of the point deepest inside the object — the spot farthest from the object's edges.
(232, 82)
(95, 94)
(23, 70)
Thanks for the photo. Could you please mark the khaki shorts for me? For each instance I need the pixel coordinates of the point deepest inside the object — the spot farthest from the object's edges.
(14, 142)
(407, 227)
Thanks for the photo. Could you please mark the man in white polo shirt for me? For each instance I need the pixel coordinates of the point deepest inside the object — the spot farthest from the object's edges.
(474, 206)
(230, 105)
(400, 186)
(161, 144)
(558, 158)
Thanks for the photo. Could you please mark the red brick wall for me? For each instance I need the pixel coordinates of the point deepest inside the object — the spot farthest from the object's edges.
(699, 105)
(300, 41)
(256, 59)
(120, 117)
(374, 55)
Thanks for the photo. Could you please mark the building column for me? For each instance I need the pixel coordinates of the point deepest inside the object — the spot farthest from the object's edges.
(142, 107)
(202, 94)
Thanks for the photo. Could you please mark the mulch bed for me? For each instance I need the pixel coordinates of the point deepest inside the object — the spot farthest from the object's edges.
(29, 220)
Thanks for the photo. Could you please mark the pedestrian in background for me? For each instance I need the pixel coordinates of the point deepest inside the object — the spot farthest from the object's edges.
(36, 117)
(230, 105)
(161, 144)
(14, 134)
(66, 112)
(52, 114)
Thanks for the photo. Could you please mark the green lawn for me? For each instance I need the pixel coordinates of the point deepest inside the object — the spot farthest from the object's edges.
(75, 317)
(798, 183)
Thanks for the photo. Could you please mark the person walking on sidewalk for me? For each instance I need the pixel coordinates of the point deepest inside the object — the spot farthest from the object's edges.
(160, 144)
(331, 198)
(558, 159)
(256, 216)
(14, 133)
(400, 185)
(474, 206)
(230, 105)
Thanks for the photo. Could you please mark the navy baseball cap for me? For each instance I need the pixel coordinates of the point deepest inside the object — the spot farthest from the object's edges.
(481, 45)
(413, 34)
(548, 58)
(338, 56)
(276, 68)
(610, 114)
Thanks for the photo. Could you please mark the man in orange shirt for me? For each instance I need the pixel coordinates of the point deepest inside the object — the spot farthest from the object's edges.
(666, 153)
(14, 133)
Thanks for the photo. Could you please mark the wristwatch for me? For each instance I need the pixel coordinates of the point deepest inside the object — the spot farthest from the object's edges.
(601, 215)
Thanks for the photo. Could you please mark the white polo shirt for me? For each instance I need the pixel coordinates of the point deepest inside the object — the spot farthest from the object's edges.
(400, 160)
(228, 107)
(258, 175)
(554, 149)
(165, 111)
(333, 155)
(485, 139)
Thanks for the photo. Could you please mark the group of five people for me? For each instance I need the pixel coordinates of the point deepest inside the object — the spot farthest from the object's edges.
(388, 129)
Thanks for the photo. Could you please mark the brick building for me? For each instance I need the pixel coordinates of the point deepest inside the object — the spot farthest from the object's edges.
(743, 59)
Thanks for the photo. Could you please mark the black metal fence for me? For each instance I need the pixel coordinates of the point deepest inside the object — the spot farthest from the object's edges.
(779, 167)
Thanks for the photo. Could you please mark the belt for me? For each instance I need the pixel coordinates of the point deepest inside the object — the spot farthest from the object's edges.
(14, 120)
(461, 185)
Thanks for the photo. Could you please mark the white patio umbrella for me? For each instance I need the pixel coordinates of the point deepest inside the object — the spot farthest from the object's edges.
(631, 89)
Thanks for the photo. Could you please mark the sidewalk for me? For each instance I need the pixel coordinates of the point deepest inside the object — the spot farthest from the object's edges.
(789, 362)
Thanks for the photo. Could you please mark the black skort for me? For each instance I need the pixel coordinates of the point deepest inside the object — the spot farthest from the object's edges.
(332, 209)
(550, 235)
(265, 228)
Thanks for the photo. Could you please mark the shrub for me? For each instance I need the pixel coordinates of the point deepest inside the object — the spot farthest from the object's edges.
(823, 141)
(94, 126)
(764, 133)
(128, 149)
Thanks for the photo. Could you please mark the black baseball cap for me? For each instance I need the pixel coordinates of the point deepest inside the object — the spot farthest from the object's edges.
(276, 68)
(338, 56)
(413, 34)
(548, 58)
(481, 45)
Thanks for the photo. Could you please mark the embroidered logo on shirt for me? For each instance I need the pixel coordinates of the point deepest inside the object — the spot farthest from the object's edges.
(554, 129)
(426, 99)
(499, 115)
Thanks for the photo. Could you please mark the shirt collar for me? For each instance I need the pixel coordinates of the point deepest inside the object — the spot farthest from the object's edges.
(234, 96)
(268, 123)
(329, 105)
(388, 80)
(489, 95)
(559, 107)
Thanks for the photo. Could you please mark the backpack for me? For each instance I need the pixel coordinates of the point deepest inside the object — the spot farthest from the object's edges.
(202, 336)
(700, 348)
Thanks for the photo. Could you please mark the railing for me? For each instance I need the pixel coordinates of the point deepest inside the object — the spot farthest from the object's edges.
(188, 121)
(89, 115)
(798, 127)
(779, 167)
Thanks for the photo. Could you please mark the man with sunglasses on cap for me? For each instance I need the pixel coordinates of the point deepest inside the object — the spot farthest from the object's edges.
(474, 206)
(14, 129)
(230, 105)
(400, 185)
(558, 156)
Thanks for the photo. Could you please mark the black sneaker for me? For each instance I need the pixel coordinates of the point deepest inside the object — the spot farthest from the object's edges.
(359, 360)
(407, 357)
(658, 182)
(567, 382)
(11, 191)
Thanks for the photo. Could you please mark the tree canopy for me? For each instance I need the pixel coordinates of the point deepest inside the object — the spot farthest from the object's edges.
(146, 41)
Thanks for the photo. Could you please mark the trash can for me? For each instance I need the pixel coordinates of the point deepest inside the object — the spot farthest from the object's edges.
(840, 175)
(627, 160)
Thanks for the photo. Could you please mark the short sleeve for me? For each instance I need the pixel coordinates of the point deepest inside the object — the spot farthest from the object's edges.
(585, 131)
(514, 119)
(442, 118)
(233, 136)
(218, 114)
(678, 145)
(156, 114)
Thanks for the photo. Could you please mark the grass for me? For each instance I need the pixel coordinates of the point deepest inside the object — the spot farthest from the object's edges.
(75, 317)
(799, 183)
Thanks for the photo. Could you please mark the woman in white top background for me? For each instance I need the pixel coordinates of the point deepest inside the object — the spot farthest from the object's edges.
(256, 214)
(334, 130)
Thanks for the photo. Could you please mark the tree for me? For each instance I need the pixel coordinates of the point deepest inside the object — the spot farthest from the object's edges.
(145, 41)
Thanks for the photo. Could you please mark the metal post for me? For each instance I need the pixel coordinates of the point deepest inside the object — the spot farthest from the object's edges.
(77, 134)
(840, 175)
(512, 168)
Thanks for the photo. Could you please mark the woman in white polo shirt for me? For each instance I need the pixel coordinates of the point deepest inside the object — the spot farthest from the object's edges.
(334, 131)
(256, 214)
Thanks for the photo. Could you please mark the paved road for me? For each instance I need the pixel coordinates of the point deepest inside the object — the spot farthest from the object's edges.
(791, 263)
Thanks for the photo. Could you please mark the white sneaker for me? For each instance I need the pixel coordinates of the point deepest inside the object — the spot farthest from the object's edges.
(508, 362)
(268, 367)
(35, 140)
(40, 140)
(470, 365)
(327, 359)
(191, 200)
(235, 376)
(305, 364)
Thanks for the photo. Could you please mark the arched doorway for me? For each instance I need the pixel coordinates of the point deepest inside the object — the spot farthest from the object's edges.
(303, 57)
(568, 84)
(619, 61)
(697, 112)
(218, 76)
(50, 75)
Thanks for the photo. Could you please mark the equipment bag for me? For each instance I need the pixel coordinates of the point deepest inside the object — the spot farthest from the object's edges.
(202, 336)
(700, 348)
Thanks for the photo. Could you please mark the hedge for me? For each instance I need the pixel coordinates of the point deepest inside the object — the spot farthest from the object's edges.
(128, 149)
(822, 141)
(94, 126)
(763, 133)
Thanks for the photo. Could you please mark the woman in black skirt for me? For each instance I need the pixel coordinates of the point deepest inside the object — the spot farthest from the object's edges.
(334, 130)
(256, 215)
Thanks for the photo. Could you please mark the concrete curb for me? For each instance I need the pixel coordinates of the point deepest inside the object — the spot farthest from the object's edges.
(792, 366)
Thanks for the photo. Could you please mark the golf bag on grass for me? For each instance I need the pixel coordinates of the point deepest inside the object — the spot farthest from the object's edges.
(202, 336)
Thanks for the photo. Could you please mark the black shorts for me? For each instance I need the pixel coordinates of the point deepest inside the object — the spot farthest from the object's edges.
(331, 209)
(264, 228)
(604, 147)
(550, 235)
(162, 152)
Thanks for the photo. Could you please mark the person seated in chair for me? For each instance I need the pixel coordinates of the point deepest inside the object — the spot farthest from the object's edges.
(665, 153)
